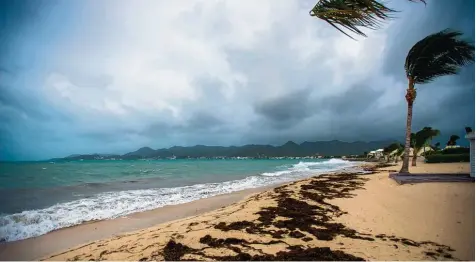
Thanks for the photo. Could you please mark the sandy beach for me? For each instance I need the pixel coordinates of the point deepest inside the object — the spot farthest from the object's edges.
(37, 247)
(336, 217)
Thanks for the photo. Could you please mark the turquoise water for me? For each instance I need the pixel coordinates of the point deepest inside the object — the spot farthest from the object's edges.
(38, 197)
(44, 174)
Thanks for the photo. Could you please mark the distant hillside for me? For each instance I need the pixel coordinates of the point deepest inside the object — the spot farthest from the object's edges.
(144, 151)
(323, 148)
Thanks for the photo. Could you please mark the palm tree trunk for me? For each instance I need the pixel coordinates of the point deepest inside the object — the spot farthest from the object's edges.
(414, 159)
(410, 97)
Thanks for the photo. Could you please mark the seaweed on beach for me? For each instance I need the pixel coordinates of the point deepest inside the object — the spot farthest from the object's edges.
(295, 254)
(379, 168)
(175, 251)
(302, 213)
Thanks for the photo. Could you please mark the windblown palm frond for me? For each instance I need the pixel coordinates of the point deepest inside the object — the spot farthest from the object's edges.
(352, 14)
(422, 137)
(429, 132)
(439, 54)
(452, 141)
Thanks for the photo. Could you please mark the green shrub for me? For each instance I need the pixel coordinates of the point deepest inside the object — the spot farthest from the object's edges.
(427, 153)
(446, 158)
(457, 150)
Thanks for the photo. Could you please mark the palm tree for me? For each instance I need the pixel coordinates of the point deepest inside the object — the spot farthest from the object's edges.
(352, 14)
(452, 141)
(420, 140)
(389, 150)
(436, 55)
(436, 147)
(430, 133)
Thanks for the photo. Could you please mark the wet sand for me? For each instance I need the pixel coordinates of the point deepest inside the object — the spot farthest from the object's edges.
(336, 217)
(37, 247)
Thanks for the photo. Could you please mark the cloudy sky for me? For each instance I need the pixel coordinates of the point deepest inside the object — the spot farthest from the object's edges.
(110, 76)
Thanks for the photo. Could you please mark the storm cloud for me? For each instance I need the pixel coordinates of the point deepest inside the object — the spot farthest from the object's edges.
(165, 73)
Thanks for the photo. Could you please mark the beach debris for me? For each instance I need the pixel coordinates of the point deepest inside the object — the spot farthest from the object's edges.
(296, 227)
(174, 251)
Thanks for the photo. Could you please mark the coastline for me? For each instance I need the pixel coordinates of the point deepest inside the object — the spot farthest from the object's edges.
(134, 187)
(365, 216)
(57, 240)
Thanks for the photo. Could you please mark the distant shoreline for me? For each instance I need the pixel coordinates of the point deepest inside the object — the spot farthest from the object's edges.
(325, 149)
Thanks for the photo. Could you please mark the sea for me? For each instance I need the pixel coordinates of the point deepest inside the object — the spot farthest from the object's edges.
(39, 197)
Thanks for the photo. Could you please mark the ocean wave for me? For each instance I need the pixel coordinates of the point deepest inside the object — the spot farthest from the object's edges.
(278, 173)
(321, 166)
(110, 205)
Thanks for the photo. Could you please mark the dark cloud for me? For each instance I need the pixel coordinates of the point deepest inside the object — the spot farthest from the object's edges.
(14, 16)
(356, 99)
(203, 120)
(290, 91)
(285, 110)
(418, 22)
(448, 102)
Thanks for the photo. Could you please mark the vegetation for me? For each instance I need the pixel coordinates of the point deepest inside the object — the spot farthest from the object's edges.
(449, 154)
(452, 141)
(420, 140)
(352, 15)
(436, 55)
(447, 158)
(290, 149)
(455, 150)
(391, 150)
(439, 54)
(436, 147)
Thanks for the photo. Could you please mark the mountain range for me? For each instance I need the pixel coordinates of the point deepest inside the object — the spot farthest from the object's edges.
(290, 148)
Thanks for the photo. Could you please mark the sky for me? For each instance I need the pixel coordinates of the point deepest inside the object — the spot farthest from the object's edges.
(111, 76)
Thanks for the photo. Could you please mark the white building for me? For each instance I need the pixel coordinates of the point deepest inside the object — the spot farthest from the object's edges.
(470, 137)
(377, 154)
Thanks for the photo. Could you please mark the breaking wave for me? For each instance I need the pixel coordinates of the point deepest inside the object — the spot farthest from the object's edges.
(109, 205)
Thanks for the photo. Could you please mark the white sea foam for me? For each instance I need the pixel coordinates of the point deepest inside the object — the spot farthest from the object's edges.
(109, 205)
(278, 173)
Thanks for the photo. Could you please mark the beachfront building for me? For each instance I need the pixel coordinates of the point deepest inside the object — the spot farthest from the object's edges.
(377, 154)
(470, 137)
(371, 154)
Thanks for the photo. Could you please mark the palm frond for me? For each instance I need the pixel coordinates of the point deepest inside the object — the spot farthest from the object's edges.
(439, 54)
(422, 137)
(353, 14)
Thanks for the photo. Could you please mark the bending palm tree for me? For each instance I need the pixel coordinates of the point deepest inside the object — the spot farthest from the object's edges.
(430, 133)
(390, 150)
(420, 141)
(436, 55)
(352, 14)
(452, 141)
